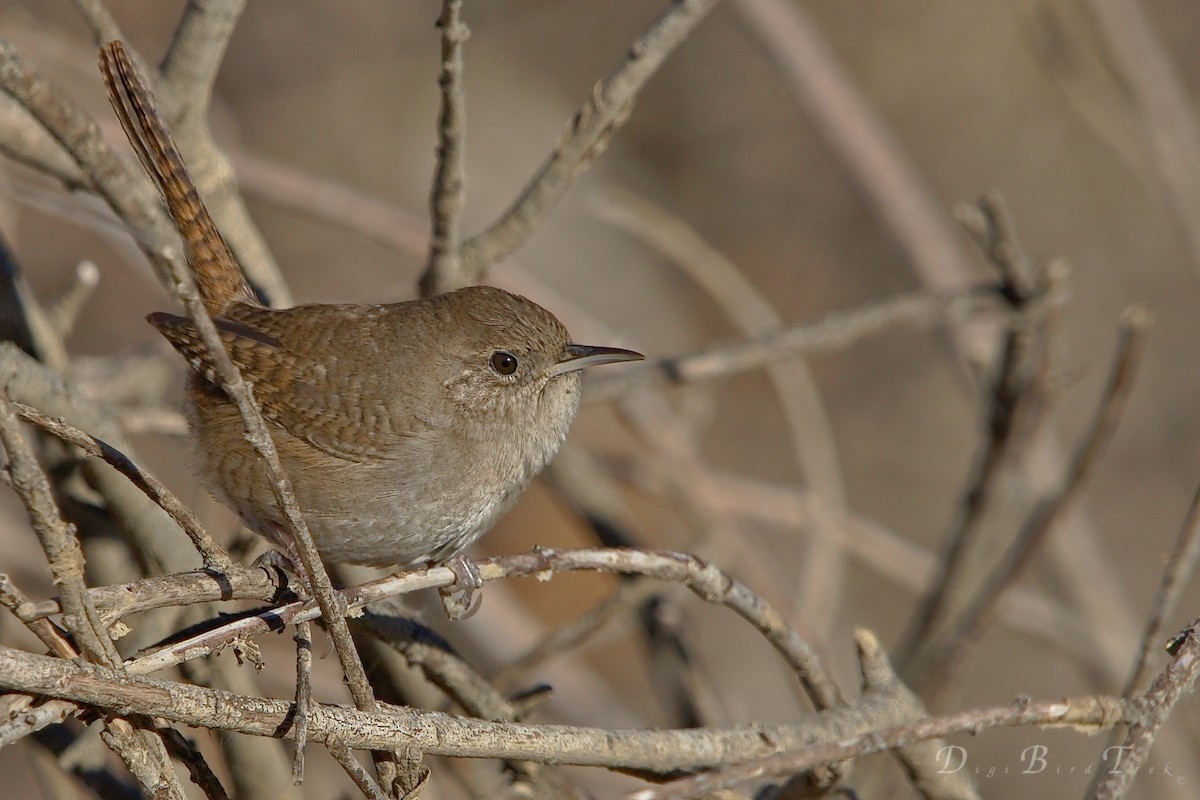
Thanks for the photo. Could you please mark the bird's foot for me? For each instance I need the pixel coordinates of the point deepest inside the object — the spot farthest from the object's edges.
(461, 599)
(288, 566)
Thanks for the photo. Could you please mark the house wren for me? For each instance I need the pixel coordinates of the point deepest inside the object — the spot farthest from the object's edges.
(407, 429)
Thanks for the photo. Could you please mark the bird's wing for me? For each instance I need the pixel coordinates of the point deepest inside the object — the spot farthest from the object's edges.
(300, 386)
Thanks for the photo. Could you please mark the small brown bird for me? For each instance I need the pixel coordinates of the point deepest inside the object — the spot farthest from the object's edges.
(407, 429)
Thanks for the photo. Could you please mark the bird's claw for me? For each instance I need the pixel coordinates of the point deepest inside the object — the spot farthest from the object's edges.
(461, 599)
(286, 564)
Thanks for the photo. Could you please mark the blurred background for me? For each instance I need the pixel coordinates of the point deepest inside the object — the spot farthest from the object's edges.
(1031, 98)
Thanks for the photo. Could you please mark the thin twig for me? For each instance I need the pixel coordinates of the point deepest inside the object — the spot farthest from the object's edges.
(1151, 711)
(346, 760)
(58, 541)
(99, 19)
(835, 330)
(143, 753)
(1180, 566)
(858, 135)
(910, 208)
(303, 639)
(54, 637)
(443, 270)
(1162, 106)
(1089, 712)
(706, 581)
(213, 555)
(25, 141)
(1134, 327)
(189, 68)
(821, 569)
(202, 774)
(585, 137)
(994, 503)
(64, 312)
(178, 589)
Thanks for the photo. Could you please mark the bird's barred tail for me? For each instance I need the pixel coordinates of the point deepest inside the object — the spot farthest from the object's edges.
(217, 274)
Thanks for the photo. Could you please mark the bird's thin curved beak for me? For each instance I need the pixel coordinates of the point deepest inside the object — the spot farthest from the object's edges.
(582, 356)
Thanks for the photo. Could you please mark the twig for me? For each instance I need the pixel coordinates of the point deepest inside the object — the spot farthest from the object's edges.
(1159, 95)
(627, 596)
(822, 567)
(183, 588)
(882, 550)
(443, 270)
(25, 141)
(993, 502)
(54, 637)
(453, 676)
(833, 331)
(1180, 566)
(58, 540)
(190, 65)
(1093, 711)
(375, 218)
(23, 321)
(202, 774)
(921, 760)
(143, 754)
(63, 314)
(1134, 326)
(706, 581)
(910, 209)
(1152, 709)
(303, 639)
(99, 19)
(342, 755)
(585, 137)
(459, 681)
(213, 555)
(132, 198)
(871, 153)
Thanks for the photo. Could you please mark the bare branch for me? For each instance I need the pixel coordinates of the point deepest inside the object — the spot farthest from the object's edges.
(836, 330)
(585, 138)
(394, 727)
(190, 66)
(1089, 712)
(303, 639)
(58, 540)
(143, 753)
(443, 272)
(1152, 709)
(65, 310)
(822, 568)
(213, 555)
(1163, 106)
(99, 19)
(1180, 566)
(355, 770)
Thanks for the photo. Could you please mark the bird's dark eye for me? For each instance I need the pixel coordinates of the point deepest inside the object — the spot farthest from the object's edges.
(504, 363)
